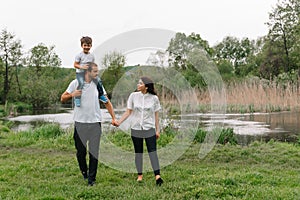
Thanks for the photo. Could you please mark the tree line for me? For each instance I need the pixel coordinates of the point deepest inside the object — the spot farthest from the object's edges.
(35, 78)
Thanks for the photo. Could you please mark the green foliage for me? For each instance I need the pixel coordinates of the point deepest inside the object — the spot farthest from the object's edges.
(42, 90)
(224, 136)
(113, 71)
(200, 135)
(4, 129)
(181, 45)
(21, 107)
(226, 69)
(11, 57)
(45, 135)
(42, 56)
(227, 136)
(123, 139)
(237, 52)
(227, 172)
(38, 84)
(281, 53)
(274, 57)
(284, 79)
(45, 132)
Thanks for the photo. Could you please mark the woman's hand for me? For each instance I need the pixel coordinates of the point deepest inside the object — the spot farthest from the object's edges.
(115, 122)
(157, 134)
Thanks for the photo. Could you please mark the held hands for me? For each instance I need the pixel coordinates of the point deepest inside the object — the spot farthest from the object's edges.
(115, 122)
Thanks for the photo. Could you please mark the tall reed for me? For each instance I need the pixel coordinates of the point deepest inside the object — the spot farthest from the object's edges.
(257, 96)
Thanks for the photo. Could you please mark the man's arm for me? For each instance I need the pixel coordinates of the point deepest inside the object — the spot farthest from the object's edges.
(67, 96)
(111, 111)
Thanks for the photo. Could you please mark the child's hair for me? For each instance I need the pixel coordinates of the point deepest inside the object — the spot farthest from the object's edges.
(149, 84)
(86, 39)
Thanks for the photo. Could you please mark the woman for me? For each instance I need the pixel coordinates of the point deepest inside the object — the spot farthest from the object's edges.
(143, 106)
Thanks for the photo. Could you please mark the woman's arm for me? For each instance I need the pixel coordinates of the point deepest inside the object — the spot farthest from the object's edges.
(124, 116)
(157, 124)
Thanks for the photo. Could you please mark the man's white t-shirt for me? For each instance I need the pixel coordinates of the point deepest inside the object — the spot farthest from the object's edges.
(89, 110)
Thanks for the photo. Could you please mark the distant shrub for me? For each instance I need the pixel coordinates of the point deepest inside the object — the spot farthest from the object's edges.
(200, 136)
(224, 135)
(45, 131)
(227, 136)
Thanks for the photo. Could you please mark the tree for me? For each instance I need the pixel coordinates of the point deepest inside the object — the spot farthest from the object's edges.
(284, 33)
(43, 56)
(10, 53)
(43, 91)
(272, 61)
(114, 63)
(234, 51)
(181, 45)
(159, 58)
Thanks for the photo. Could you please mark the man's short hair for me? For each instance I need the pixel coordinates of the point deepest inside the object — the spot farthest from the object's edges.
(91, 65)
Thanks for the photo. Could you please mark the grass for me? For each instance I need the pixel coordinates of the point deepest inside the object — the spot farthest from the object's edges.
(45, 167)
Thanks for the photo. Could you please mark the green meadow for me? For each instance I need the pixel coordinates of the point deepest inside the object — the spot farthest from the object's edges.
(41, 164)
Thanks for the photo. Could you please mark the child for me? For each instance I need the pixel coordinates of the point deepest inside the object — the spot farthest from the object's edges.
(80, 64)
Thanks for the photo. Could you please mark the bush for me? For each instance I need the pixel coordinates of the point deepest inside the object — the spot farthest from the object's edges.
(227, 136)
(47, 131)
(224, 136)
(200, 136)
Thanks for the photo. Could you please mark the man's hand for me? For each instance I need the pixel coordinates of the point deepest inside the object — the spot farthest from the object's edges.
(114, 122)
(67, 96)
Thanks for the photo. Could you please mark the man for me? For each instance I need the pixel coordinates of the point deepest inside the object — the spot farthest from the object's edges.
(88, 119)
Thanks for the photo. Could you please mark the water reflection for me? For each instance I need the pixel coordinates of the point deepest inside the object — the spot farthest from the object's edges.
(282, 126)
(25, 122)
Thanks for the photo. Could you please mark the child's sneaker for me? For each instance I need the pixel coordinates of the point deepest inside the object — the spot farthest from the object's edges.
(103, 99)
(77, 102)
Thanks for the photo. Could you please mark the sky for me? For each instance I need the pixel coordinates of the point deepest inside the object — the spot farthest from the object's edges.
(63, 23)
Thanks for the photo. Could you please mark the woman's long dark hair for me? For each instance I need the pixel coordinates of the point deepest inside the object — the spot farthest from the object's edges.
(149, 85)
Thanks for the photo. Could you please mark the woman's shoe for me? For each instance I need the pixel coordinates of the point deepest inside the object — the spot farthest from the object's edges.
(159, 181)
(140, 178)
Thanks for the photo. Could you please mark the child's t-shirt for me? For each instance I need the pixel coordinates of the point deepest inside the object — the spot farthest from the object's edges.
(83, 59)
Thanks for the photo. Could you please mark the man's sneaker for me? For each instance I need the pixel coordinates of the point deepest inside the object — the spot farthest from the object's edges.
(103, 99)
(77, 102)
(91, 182)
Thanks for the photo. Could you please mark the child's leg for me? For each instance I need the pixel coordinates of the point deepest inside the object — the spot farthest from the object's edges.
(80, 79)
(101, 95)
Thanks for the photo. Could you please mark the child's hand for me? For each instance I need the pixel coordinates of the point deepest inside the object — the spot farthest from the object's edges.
(84, 67)
(76, 93)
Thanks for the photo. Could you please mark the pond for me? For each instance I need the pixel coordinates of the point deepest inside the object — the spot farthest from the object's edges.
(281, 126)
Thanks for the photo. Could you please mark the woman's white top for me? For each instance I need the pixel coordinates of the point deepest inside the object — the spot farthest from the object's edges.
(143, 108)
